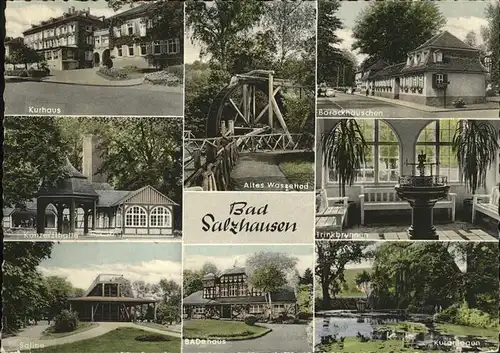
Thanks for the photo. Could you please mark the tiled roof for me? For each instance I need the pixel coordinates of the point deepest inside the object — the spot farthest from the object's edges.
(234, 271)
(388, 71)
(445, 40)
(110, 198)
(113, 299)
(30, 207)
(136, 10)
(74, 184)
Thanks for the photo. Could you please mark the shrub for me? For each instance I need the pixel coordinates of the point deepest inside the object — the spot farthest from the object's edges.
(176, 70)
(461, 314)
(66, 321)
(304, 316)
(113, 73)
(458, 103)
(16, 72)
(37, 73)
(491, 92)
(250, 320)
(162, 78)
(152, 338)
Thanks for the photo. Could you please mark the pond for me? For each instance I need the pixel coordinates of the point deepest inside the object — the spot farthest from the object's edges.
(369, 326)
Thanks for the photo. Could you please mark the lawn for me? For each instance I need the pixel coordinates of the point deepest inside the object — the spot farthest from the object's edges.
(50, 333)
(298, 168)
(353, 345)
(119, 340)
(229, 330)
(460, 330)
(349, 289)
(156, 326)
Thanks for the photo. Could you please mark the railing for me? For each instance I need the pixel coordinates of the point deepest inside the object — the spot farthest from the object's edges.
(423, 181)
(271, 142)
(221, 155)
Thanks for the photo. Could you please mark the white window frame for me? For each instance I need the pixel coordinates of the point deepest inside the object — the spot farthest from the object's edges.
(436, 144)
(130, 46)
(165, 217)
(439, 78)
(255, 309)
(376, 146)
(119, 52)
(145, 46)
(130, 29)
(155, 45)
(131, 212)
(175, 43)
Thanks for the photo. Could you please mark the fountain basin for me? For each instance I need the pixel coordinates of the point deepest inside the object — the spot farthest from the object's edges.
(422, 193)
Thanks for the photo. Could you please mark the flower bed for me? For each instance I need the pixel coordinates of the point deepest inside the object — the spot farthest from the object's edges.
(35, 73)
(112, 74)
(164, 78)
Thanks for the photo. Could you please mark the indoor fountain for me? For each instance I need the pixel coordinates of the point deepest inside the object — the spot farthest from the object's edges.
(422, 192)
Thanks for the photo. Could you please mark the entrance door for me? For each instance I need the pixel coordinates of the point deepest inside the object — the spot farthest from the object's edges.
(97, 60)
(396, 88)
(226, 311)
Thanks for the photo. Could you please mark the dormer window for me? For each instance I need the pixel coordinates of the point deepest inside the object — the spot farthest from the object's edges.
(408, 60)
(438, 57)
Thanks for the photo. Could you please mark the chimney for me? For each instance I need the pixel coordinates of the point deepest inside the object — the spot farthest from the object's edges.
(92, 161)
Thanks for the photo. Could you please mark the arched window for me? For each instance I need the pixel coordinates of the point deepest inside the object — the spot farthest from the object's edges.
(160, 217)
(435, 140)
(382, 160)
(136, 216)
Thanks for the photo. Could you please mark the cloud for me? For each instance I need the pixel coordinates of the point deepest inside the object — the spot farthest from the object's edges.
(20, 18)
(195, 262)
(460, 26)
(148, 271)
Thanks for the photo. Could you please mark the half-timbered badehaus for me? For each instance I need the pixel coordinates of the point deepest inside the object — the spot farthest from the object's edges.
(230, 296)
(84, 203)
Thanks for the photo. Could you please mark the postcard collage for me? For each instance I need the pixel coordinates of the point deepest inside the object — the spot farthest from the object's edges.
(251, 176)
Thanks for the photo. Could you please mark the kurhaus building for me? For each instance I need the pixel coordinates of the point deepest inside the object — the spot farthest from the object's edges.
(437, 72)
(84, 203)
(78, 40)
(66, 42)
(229, 296)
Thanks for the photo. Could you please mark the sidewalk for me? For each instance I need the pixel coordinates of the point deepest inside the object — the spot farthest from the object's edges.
(490, 105)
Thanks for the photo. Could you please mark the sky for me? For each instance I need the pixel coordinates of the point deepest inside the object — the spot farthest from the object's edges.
(226, 256)
(20, 15)
(81, 262)
(461, 18)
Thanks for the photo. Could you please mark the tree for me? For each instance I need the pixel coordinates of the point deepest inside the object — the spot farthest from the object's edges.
(192, 282)
(268, 279)
(388, 30)
(328, 53)
(219, 24)
(332, 258)
(491, 36)
(126, 289)
(169, 292)
(22, 54)
(291, 23)
(34, 153)
(363, 281)
(307, 278)
(283, 262)
(59, 290)
(23, 290)
(471, 39)
(209, 267)
(141, 289)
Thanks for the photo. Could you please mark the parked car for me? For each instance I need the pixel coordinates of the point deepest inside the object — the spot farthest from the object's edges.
(322, 90)
(330, 92)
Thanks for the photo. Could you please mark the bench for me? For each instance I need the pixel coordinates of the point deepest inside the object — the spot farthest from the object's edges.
(331, 212)
(386, 198)
(486, 204)
(106, 233)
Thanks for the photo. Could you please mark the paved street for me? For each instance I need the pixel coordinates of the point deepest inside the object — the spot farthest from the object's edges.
(63, 99)
(373, 108)
(282, 338)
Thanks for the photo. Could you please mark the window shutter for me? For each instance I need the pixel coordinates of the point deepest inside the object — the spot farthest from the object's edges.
(445, 78)
(433, 80)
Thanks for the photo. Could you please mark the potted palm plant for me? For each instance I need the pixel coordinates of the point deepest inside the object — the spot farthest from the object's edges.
(475, 144)
(344, 149)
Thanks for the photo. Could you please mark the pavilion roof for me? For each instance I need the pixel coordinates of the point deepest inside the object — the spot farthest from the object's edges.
(74, 184)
